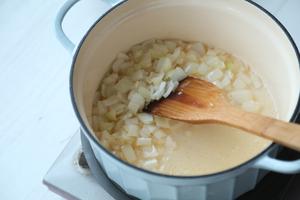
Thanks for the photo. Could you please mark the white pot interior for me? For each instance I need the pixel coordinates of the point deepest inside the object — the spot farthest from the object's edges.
(233, 25)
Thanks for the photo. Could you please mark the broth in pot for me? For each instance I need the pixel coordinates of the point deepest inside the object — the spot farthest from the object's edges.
(152, 70)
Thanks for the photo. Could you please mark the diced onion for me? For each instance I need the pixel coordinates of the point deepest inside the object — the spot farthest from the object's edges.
(215, 62)
(136, 103)
(132, 130)
(110, 101)
(191, 56)
(111, 115)
(164, 64)
(132, 121)
(176, 74)
(198, 47)
(191, 68)
(101, 107)
(129, 153)
(111, 79)
(143, 141)
(202, 69)
(159, 91)
(171, 45)
(214, 75)
(150, 151)
(157, 78)
(150, 164)
(175, 55)
(145, 118)
(171, 86)
(124, 85)
(147, 130)
(138, 75)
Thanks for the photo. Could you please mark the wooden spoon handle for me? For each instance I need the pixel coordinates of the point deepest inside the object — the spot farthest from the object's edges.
(284, 133)
(287, 134)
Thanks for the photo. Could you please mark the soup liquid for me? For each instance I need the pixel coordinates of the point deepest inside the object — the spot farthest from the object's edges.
(209, 148)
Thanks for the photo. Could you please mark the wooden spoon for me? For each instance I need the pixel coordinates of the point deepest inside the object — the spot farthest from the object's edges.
(197, 101)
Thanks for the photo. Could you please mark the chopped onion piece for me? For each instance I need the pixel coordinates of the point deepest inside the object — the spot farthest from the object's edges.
(160, 91)
(150, 151)
(202, 69)
(143, 141)
(171, 45)
(124, 85)
(132, 130)
(144, 92)
(118, 108)
(132, 121)
(157, 78)
(191, 56)
(150, 164)
(159, 51)
(191, 68)
(225, 82)
(147, 130)
(137, 102)
(198, 47)
(101, 107)
(126, 116)
(117, 63)
(214, 61)
(138, 75)
(145, 118)
(110, 101)
(146, 61)
(106, 125)
(164, 64)
(111, 115)
(171, 86)
(111, 79)
(214, 75)
(176, 74)
(129, 153)
(175, 55)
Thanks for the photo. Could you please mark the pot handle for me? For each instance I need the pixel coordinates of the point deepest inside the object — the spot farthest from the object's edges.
(60, 34)
(276, 165)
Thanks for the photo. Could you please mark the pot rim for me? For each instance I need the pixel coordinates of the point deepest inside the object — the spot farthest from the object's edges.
(90, 135)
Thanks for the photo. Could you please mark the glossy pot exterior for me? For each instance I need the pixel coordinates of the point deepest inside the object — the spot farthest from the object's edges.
(239, 27)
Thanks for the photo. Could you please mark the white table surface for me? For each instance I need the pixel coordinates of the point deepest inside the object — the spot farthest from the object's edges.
(36, 116)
